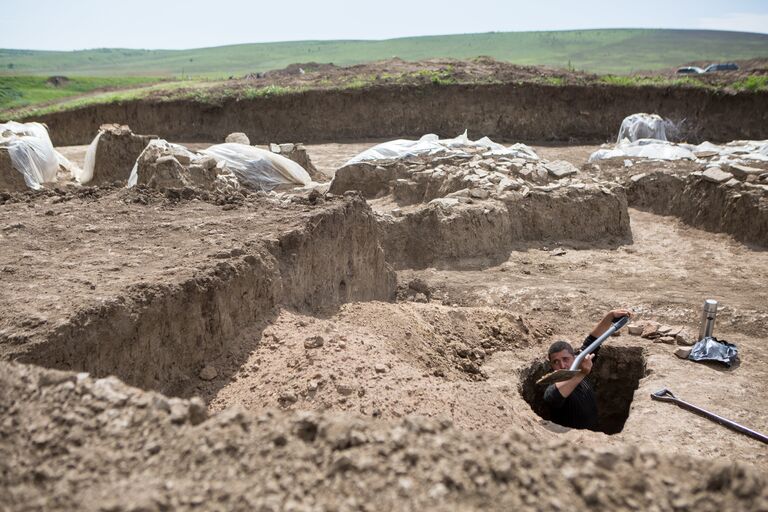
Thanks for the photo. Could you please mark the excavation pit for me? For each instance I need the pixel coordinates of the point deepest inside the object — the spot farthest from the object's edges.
(614, 377)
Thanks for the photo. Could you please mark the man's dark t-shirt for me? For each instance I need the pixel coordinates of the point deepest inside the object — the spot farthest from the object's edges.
(579, 409)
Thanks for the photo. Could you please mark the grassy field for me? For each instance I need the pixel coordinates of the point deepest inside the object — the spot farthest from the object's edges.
(601, 51)
(21, 91)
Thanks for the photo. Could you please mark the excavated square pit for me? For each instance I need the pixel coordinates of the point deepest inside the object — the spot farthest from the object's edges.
(615, 377)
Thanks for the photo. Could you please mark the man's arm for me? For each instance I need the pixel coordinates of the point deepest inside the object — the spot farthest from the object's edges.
(605, 324)
(566, 387)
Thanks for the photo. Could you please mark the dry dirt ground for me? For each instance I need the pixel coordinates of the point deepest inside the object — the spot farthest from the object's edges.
(416, 403)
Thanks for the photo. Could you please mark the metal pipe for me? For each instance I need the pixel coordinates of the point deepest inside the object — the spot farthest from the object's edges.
(618, 324)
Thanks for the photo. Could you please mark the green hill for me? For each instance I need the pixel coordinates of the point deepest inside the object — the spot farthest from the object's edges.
(599, 51)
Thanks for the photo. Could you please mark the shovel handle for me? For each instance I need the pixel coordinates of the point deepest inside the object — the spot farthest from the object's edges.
(618, 324)
(665, 395)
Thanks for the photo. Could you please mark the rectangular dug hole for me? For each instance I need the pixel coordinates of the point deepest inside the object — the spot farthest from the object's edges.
(614, 377)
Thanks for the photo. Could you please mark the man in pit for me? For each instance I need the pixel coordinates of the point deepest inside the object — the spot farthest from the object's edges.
(572, 402)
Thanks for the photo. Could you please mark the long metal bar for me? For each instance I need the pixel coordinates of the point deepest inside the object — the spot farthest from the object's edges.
(562, 375)
(618, 324)
(666, 395)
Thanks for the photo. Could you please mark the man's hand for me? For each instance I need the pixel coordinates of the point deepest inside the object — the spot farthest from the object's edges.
(608, 319)
(615, 314)
(586, 365)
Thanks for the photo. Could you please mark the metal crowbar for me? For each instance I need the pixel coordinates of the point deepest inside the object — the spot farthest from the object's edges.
(665, 395)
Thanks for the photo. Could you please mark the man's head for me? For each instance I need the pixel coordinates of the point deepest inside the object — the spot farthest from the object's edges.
(560, 355)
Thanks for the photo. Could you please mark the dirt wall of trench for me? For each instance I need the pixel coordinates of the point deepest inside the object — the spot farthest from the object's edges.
(485, 232)
(528, 112)
(703, 204)
(159, 337)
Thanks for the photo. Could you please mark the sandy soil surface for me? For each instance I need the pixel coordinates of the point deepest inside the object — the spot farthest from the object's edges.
(460, 352)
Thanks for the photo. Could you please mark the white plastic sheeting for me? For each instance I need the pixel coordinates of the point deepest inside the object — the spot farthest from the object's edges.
(732, 152)
(743, 150)
(258, 168)
(85, 174)
(253, 167)
(642, 126)
(31, 152)
(431, 144)
(644, 148)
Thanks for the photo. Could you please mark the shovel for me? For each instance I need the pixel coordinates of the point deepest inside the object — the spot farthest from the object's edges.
(666, 395)
(561, 375)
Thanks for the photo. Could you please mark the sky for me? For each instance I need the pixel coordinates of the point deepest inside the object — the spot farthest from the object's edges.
(77, 25)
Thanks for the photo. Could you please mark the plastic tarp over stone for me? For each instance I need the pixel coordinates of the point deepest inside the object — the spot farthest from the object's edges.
(642, 126)
(31, 153)
(258, 168)
(166, 165)
(111, 155)
(174, 165)
(706, 152)
(644, 148)
(431, 144)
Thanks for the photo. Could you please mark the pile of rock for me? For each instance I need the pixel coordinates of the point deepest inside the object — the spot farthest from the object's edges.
(164, 165)
(659, 333)
(298, 153)
(736, 175)
(422, 179)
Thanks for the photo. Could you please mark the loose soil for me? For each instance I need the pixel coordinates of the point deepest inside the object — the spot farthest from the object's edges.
(325, 384)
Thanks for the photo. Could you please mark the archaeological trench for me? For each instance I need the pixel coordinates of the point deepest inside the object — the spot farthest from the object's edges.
(375, 343)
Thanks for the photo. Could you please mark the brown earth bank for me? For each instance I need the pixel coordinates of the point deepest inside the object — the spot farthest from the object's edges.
(170, 281)
(511, 111)
(74, 442)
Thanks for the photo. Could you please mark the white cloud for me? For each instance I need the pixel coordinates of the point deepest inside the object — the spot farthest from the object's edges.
(736, 21)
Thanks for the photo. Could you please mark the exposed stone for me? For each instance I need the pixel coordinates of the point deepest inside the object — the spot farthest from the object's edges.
(287, 398)
(345, 388)
(298, 153)
(716, 175)
(674, 331)
(560, 169)
(208, 372)
(742, 172)
(238, 138)
(650, 330)
(445, 202)
(314, 342)
(635, 329)
(179, 411)
(684, 338)
(669, 340)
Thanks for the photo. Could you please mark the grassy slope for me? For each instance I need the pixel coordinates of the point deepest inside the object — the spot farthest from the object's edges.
(18, 91)
(600, 51)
